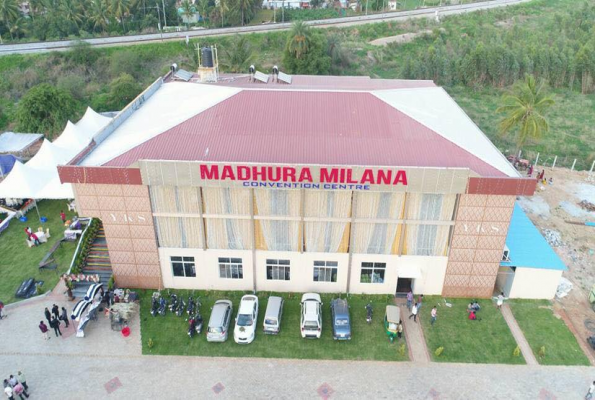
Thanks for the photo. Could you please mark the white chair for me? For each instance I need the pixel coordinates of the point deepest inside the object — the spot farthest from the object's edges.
(47, 233)
(30, 243)
(40, 229)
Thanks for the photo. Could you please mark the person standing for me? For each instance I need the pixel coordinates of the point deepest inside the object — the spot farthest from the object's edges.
(56, 325)
(434, 314)
(500, 300)
(56, 311)
(44, 330)
(400, 330)
(409, 299)
(414, 312)
(591, 391)
(64, 317)
(1, 309)
(23, 379)
(63, 216)
(420, 300)
(13, 381)
(19, 390)
(48, 315)
(8, 390)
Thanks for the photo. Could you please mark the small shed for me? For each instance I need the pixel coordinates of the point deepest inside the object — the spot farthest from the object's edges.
(18, 143)
(530, 268)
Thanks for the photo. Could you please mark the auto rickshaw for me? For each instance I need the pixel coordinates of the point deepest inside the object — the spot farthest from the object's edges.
(391, 321)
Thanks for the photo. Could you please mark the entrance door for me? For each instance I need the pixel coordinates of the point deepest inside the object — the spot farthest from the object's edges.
(404, 285)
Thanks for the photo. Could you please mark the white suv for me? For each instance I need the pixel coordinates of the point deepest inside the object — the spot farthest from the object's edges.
(245, 328)
(311, 320)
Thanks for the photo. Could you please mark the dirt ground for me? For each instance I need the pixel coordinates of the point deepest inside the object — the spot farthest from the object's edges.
(552, 208)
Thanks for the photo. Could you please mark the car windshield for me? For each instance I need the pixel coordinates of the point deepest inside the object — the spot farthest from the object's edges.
(311, 324)
(270, 321)
(244, 320)
(392, 326)
(214, 330)
(341, 321)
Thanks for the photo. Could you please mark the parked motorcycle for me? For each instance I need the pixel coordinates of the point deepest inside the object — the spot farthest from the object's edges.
(369, 312)
(190, 308)
(180, 308)
(195, 324)
(162, 306)
(173, 302)
(155, 304)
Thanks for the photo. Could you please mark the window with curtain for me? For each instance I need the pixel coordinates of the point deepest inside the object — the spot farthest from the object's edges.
(281, 234)
(321, 236)
(183, 267)
(227, 233)
(325, 271)
(278, 270)
(372, 272)
(377, 238)
(231, 268)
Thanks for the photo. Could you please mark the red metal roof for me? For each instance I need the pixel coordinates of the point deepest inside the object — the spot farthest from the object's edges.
(293, 127)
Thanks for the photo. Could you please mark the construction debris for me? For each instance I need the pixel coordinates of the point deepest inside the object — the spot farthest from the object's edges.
(553, 238)
(587, 205)
(564, 287)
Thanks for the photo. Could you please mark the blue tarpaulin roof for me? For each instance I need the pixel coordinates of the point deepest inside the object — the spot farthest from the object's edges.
(6, 163)
(528, 248)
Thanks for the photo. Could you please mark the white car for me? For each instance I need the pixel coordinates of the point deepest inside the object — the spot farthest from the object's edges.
(245, 328)
(311, 319)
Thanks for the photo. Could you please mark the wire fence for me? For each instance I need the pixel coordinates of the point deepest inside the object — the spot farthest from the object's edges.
(539, 160)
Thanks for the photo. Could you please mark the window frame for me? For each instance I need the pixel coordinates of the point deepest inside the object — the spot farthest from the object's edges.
(278, 270)
(326, 269)
(186, 263)
(377, 272)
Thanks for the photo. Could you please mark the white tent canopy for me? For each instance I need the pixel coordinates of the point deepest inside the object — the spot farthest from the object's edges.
(38, 178)
(11, 142)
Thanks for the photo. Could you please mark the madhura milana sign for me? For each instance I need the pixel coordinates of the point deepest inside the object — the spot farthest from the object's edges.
(275, 176)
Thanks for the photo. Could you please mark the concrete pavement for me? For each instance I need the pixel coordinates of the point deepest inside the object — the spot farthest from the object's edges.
(42, 47)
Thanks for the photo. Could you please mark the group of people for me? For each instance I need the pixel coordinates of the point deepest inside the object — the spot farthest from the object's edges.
(472, 310)
(540, 176)
(32, 236)
(54, 317)
(414, 307)
(16, 386)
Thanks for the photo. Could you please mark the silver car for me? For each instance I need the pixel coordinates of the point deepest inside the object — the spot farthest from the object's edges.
(218, 327)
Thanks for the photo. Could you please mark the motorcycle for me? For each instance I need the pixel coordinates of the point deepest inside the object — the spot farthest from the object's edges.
(369, 312)
(195, 325)
(173, 302)
(190, 308)
(162, 306)
(180, 308)
(155, 304)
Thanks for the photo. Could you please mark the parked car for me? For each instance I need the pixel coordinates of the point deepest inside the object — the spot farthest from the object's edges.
(341, 320)
(218, 327)
(311, 319)
(272, 315)
(245, 328)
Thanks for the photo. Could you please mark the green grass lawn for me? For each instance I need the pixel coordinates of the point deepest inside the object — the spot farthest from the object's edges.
(19, 262)
(369, 342)
(542, 328)
(485, 341)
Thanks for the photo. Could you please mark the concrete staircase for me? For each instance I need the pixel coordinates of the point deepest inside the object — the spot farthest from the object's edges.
(97, 263)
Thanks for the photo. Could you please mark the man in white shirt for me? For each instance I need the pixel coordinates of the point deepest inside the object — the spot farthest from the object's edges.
(8, 390)
(414, 312)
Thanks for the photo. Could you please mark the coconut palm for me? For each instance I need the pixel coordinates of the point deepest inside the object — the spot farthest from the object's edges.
(187, 10)
(9, 13)
(223, 7)
(120, 9)
(71, 11)
(525, 108)
(243, 7)
(299, 39)
(238, 55)
(204, 9)
(99, 15)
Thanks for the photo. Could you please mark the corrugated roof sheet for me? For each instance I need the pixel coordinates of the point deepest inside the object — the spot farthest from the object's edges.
(306, 127)
(528, 248)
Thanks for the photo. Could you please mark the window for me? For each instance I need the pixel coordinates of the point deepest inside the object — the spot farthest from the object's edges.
(183, 266)
(325, 271)
(373, 272)
(278, 270)
(231, 268)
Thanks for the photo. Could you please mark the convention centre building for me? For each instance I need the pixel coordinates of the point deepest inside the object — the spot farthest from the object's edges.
(310, 183)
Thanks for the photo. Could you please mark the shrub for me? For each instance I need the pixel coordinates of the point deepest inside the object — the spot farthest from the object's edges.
(150, 343)
(110, 283)
(402, 349)
(516, 352)
(542, 352)
(439, 351)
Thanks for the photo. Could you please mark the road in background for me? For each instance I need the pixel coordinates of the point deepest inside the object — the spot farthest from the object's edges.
(43, 47)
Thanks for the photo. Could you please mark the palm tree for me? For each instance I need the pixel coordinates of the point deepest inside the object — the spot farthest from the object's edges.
(120, 9)
(204, 8)
(187, 10)
(243, 6)
(299, 39)
(70, 11)
(9, 13)
(525, 108)
(99, 15)
(223, 6)
(238, 55)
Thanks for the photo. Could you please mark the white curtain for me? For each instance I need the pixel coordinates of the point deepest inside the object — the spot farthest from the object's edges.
(427, 239)
(326, 236)
(279, 235)
(377, 238)
(227, 233)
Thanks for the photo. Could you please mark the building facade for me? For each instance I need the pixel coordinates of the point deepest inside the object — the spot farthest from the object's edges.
(245, 186)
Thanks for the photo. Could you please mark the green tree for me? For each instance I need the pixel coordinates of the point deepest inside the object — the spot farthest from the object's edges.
(525, 107)
(238, 55)
(45, 109)
(299, 39)
(314, 61)
(120, 9)
(223, 7)
(245, 8)
(204, 10)
(9, 13)
(122, 91)
(71, 11)
(99, 15)
(188, 10)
